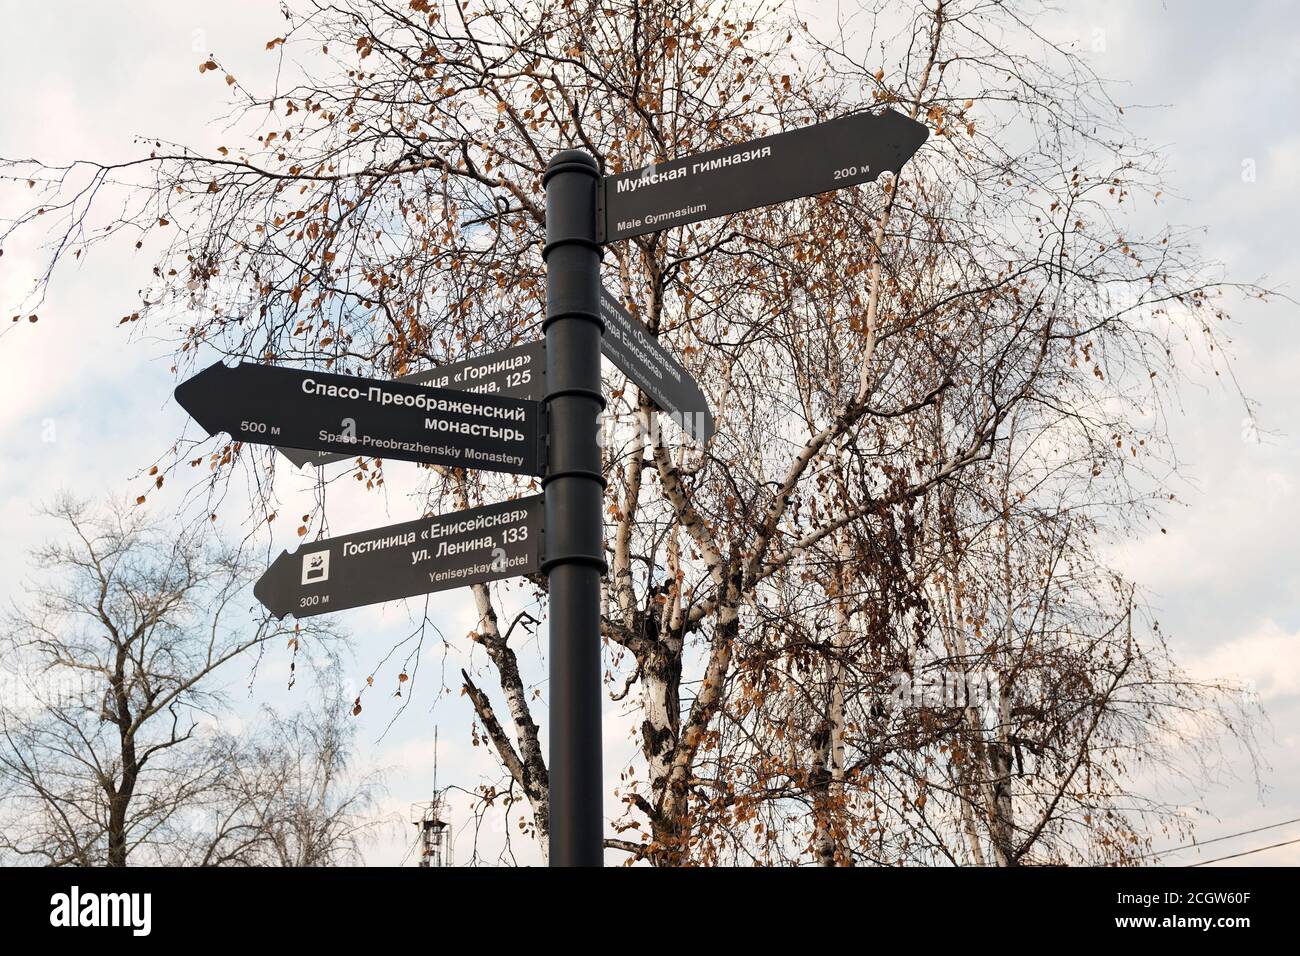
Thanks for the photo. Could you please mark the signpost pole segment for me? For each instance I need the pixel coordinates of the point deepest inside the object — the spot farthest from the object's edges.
(574, 487)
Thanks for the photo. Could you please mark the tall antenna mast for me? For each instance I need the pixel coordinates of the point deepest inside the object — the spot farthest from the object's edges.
(435, 845)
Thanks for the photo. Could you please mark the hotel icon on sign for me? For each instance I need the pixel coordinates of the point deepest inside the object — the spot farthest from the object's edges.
(315, 567)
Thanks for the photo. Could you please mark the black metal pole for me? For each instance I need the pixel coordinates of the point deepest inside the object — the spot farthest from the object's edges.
(575, 552)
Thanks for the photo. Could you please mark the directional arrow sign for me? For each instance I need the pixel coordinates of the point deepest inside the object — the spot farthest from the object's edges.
(803, 162)
(403, 560)
(648, 365)
(319, 411)
(516, 372)
(520, 372)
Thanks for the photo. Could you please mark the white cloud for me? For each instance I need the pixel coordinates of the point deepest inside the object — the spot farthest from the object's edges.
(1268, 657)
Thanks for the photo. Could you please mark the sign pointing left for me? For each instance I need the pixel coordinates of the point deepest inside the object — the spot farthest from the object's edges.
(320, 411)
(406, 560)
(517, 372)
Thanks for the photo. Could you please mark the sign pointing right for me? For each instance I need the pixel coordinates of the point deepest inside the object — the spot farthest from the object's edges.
(803, 162)
(650, 367)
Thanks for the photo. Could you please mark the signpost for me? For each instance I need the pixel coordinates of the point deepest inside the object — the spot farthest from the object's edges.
(803, 162)
(406, 560)
(485, 413)
(319, 411)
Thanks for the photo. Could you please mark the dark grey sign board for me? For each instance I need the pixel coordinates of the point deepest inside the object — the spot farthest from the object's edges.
(520, 372)
(650, 367)
(516, 372)
(405, 560)
(803, 162)
(320, 411)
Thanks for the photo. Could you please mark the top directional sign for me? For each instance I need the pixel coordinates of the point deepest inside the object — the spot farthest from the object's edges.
(803, 162)
(320, 411)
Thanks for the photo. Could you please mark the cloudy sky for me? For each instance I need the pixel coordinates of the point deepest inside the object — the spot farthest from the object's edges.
(84, 408)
